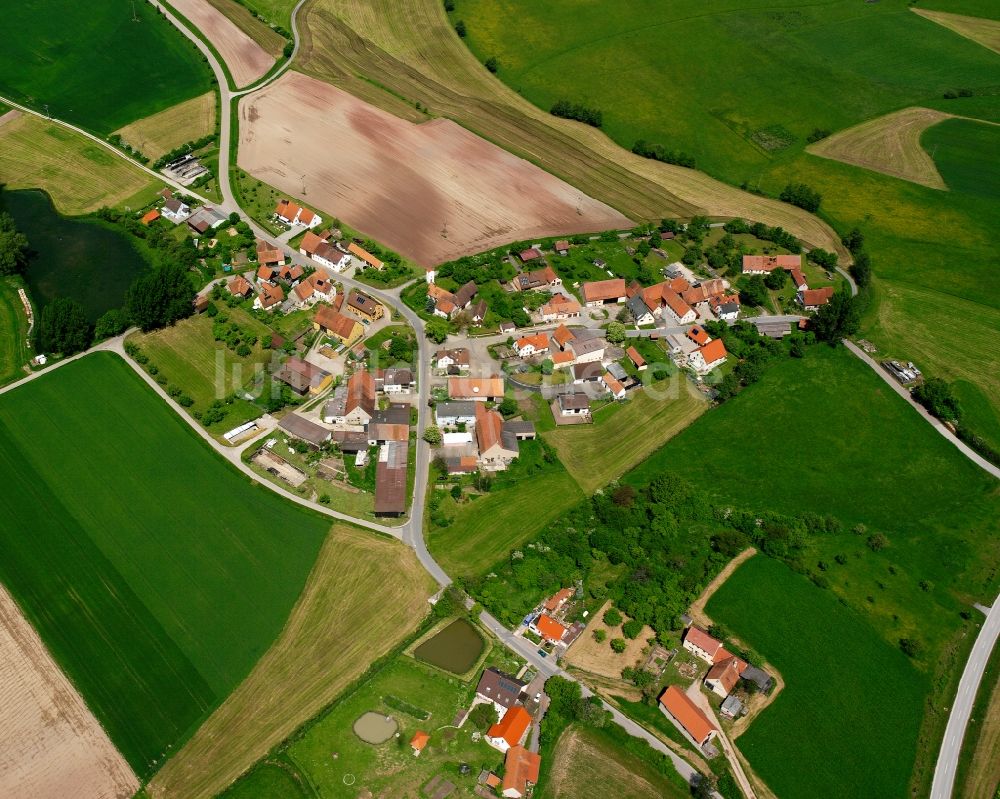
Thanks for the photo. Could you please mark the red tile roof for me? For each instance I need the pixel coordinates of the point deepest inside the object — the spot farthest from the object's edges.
(679, 705)
(817, 296)
(767, 263)
(635, 357)
(550, 628)
(473, 387)
(612, 383)
(419, 740)
(489, 427)
(520, 768)
(558, 598)
(563, 335)
(726, 672)
(150, 216)
(676, 304)
(702, 640)
(602, 290)
(713, 351)
(539, 341)
(512, 726)
(239, 285)
(698, 335)
(364, 255)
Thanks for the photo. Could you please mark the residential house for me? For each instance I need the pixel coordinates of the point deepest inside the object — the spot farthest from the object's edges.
(303, 377)
(364, 306)
(698, 335)
(763, 264)
(682, 313)
(481, 389)
(205, 219)
(497, 448)
(723, 677)
(798, 279)
(269, 298)
(507, 327)
(478, 311)
(464, 295)
(555, 602)
(239, 286)
(520, 772)
(726, 307)
(510, 730)
(637, 360)
(537, 344)
(301, 428)
(550, 629)
(390, 477)
(345, 329)
(701, 644)
(678, 707)
(641, 313)
(269, 255)
(814, 299)
(704, 291)
(603, 292)
(562, 247)
(562, 359)
(174, 210)
(704, 359)
(321, 285)
(302, 293)
(587, 350)
(538, 279)
(590, 372)
(563, 336)
(323, 252)
(559, 307)
(530, 254)
(266, 274)
(360, 403)
(458, 358)
(293, 214)
(575, 403)
(364, 258)
(499, 689)
(616, 388)
(450, 414)
(445, 308)
(395, 380)
(419, 741)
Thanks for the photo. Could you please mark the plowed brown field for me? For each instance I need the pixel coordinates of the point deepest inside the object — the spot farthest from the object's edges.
(247, 60)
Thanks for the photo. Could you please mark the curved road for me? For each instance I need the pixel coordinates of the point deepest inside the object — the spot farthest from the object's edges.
(411, 533)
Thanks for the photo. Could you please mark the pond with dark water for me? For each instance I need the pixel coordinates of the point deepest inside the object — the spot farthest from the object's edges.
(456, 648)
(83, 258)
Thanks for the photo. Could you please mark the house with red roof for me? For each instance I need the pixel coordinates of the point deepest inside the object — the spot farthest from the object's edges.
(701, 644)
(537, 344)
(814, 299)
(682, 711)
(419, 741)
(708, 356)
(549, 629)
(240, 286)
(510, 730)
(559, 307)
(555, 602)
(723, 677)
(603, 292)
(637, 360)
(763, 264)
(612, 384)
(270, 297)
(520, 772)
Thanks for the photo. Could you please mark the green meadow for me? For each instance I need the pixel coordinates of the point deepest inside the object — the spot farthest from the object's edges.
(846, 722)
(93, 65)
(743, 88)
(155, 573)
(826, 435)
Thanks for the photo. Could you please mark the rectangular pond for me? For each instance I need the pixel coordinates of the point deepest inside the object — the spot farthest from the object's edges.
(456, 648)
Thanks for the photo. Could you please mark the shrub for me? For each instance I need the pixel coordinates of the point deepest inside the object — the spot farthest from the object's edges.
(460, 29)
(492, 64)
(912, 647)
(618, 645)
(632, 628)
(581, 113)
(877, 542)
(600, 636)
(801, 195)
(612, 617)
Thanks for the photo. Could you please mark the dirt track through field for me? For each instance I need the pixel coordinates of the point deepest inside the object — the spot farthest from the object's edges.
(50, 743)
(247, 60)
(432, 192)
(889, 144)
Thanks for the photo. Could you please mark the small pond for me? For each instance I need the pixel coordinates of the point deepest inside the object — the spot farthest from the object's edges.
(456, 648)
(86, 259)
(375, 728)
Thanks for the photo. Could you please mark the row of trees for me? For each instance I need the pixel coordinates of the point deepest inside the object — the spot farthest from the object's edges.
(658, 152)
(577, 111)
(13, 247)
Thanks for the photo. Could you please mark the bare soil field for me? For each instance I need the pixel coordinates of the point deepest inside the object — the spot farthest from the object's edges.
(160, 133)
(889, 144)
(394, 53)
(272, 41)
(51, 743)
(588, 655)
(79, 175)
(982, 31)
(247, 60)
(364, 595)
(432, 192)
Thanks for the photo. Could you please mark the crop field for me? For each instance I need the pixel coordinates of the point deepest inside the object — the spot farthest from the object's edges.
(837, 442)
(53, 745)
(486, 528)
(958, 146)
(624, 434)
(586, 762)
(154, 573)
(889, 144)
(246, 59)
(364, 595)
(92, 65)
(238, 13)
(160, 133)
(277, 12)
(364, 48)
(14, 349)
(432, 192)
(188, 356)
(783, 615)
(78, 174)
(980, 30)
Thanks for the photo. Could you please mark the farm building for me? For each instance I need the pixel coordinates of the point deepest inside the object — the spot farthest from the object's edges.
(520, 772)
(763, 264)
(301, 428)
(481, 389)
(303, 377)
(343, 328)
(497, 447)
(390, 479)
(603, 292)
(678, 707)
(366, 259)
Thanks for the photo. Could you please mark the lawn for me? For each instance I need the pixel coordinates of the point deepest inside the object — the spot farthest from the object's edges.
(160, 133)
(99, 66)
(586, 761)
(365, 595)
(625, 433)
(957, 147)
(825, 435)
(78, 174)
(155, 574)
(14, 349)
(522, 501)
(189, 357)
(841, 678)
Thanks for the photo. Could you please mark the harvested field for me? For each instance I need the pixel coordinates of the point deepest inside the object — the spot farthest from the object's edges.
(363, 46)
(160, 133)
(433, 192)
(889, 144)
(598, 658)
(247, 60)
(363, 596)
(77, 173)
(53, 745)
(982, 31)
(272, 41)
